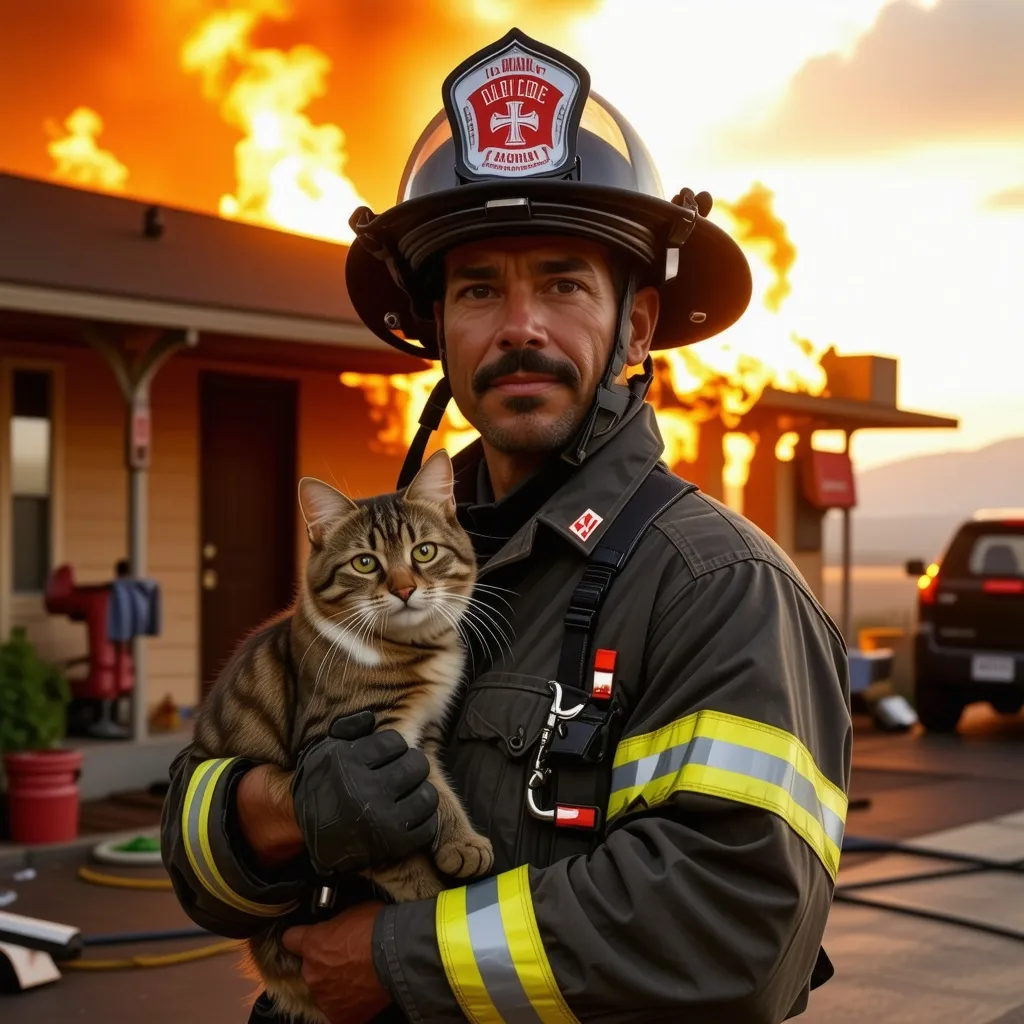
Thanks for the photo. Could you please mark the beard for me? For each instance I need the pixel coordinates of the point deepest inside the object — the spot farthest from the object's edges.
(531, 433)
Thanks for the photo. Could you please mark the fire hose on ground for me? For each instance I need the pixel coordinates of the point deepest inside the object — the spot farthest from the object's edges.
(67, 949)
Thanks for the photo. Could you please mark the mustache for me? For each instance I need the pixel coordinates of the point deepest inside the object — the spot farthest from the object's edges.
(526, 360)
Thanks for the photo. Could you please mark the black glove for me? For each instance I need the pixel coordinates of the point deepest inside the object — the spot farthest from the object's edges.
(362, 798)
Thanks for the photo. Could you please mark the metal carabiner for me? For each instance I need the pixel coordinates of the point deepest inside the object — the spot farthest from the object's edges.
(556, 715)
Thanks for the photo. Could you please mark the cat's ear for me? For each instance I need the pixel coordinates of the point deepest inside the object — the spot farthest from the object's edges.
(321, 504)
(435, 482)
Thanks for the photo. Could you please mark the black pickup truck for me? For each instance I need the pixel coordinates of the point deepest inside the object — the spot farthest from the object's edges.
(969, 641)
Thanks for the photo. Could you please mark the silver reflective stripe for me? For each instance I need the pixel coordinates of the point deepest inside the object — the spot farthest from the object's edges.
(192, 838)
(734, 758)
(492, 955)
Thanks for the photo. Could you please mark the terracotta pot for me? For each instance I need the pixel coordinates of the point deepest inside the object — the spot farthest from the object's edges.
(42, 795)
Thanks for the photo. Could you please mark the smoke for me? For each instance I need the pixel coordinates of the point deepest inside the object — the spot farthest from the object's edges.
(758, 225)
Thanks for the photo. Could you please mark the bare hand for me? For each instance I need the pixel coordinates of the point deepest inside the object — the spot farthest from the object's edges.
(337, 964)
(266, 814)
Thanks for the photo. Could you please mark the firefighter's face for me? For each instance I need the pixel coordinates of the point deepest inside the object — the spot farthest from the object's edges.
(528, 330)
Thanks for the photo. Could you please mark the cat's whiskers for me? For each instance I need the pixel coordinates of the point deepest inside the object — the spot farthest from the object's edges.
(335, 644)
(487, 616)
(473, 622)
(457, 626)
(319, 635)
(493, 591)
(501, 640)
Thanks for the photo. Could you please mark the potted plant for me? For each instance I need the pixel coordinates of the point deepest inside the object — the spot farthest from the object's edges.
(42, 778)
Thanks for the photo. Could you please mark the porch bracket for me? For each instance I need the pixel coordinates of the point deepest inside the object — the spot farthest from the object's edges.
(134, 377)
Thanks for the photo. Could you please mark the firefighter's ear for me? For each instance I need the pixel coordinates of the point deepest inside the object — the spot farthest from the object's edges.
(642, 322)
(435, 483)
(321, 504)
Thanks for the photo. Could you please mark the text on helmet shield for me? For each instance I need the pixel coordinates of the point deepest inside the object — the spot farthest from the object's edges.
(513, 114)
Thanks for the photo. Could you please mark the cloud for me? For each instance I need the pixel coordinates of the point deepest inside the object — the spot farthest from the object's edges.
(1007, 199)
(954, 72)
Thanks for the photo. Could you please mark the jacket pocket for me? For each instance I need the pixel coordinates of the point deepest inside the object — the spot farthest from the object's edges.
(502, 717)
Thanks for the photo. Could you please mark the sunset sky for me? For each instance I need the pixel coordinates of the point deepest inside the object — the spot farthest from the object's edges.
(891, 133)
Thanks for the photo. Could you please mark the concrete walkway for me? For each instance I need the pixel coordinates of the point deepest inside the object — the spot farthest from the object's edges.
(895, 969)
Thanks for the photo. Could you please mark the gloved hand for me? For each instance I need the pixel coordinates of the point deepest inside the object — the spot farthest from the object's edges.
(362, 798)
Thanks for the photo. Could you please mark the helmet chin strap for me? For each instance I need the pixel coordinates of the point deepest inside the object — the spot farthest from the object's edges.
(611, 402)
(430, 420)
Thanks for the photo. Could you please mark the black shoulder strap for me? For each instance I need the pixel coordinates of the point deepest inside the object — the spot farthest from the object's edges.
(658, 490)
(581, 776)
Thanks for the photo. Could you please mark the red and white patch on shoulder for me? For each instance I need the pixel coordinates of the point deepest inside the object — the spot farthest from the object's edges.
(586, 524)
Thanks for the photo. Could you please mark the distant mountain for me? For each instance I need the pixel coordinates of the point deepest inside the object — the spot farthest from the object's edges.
(907, 509)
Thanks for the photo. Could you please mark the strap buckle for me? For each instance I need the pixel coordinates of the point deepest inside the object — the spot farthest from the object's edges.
(556, 716)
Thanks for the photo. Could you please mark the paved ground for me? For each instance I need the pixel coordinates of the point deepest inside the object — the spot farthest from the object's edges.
(891, 969)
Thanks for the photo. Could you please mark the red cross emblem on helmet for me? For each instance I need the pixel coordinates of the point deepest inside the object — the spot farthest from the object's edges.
(515, 109)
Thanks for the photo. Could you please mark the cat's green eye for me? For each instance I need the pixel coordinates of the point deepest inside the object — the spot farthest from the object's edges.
(424, 552)
(364, 563)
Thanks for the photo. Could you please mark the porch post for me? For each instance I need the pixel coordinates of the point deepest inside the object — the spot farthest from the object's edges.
(134, 381)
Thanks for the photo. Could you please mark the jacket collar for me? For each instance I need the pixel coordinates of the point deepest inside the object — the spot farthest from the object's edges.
(586, 504)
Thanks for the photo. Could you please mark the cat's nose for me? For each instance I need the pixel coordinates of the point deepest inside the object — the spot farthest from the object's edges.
(404, 593)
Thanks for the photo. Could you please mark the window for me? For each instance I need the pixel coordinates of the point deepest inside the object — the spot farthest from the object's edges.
(987, 549)
(31, 478)
(1000, 554)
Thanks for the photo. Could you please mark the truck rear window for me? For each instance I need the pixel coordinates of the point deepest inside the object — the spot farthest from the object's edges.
(986, 550)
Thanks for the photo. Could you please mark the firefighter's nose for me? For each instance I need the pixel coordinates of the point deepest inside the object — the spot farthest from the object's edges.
(521, 328)
(403, 592)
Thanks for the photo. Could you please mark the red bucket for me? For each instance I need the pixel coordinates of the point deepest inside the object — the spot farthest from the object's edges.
(42, 795)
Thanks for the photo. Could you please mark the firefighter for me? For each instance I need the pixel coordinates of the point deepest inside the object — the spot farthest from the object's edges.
(661, 754)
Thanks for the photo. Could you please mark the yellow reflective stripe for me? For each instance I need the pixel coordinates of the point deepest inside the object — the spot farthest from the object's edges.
(493, 954)
(737, 759)
(527, 949)
(459, 962)
(195, 830)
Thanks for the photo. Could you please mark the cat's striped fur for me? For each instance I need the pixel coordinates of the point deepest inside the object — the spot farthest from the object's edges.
(374, 626)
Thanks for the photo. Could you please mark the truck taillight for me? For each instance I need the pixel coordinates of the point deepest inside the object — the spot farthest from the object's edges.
(1003, 586)
(928, 584)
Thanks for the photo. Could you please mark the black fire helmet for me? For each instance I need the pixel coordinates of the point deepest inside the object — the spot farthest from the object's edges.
(524, 147)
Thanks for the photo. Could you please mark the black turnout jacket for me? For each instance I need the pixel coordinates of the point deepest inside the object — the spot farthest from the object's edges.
(704, 894)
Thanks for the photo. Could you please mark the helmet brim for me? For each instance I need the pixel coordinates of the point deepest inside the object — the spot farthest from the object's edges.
(708, 293)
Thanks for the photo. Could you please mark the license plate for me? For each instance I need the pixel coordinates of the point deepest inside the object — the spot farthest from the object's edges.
(987, 668)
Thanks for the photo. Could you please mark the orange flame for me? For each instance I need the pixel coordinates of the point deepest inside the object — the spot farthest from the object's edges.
(758, 226)
(78, 159)
(395, 403)
(290, 172)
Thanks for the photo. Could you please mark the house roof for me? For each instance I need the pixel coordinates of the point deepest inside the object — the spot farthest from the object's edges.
(845, 414)
(71, 252)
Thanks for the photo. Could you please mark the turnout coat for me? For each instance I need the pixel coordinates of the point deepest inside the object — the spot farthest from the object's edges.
(704, 893)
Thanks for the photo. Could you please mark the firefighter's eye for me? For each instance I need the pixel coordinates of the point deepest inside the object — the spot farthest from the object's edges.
(364, 563)
(424, 552)
(566, 287)
(477, 291)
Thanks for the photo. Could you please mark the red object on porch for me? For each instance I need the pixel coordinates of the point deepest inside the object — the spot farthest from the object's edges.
(42, 795)
(828, 479)
(111, 671)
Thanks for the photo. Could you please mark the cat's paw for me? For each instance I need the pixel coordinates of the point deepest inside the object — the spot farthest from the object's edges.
(466, 857)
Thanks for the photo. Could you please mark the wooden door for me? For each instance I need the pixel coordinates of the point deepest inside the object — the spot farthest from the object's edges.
(248, 508)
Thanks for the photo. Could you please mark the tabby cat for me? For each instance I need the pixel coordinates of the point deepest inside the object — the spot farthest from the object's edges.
(375, 626)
